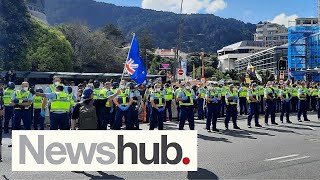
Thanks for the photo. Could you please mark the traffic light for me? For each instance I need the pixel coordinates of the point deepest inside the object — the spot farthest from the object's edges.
(282, 65)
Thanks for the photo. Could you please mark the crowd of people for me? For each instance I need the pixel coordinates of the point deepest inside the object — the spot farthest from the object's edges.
(109, 105)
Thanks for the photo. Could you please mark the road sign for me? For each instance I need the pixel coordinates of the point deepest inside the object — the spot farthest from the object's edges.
(165, 66)
(180, 72)
(203, 80)
(281, 75)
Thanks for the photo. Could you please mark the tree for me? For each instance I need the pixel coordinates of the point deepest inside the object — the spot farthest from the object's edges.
(114, 34)
(48, 50)
(233, 74)
(266, 76)
(15, 26)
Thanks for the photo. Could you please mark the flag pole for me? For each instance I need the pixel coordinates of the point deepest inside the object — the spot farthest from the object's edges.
(124, 67)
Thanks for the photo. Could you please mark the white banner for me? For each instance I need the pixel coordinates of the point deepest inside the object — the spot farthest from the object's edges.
(104, 151)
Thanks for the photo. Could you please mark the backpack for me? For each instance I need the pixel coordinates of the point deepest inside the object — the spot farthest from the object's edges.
(88, 117)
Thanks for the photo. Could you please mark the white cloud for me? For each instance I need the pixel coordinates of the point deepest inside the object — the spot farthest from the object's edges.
(284, 19)
(189, 6)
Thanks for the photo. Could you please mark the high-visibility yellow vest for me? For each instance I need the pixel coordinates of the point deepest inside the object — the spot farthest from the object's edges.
(96, 93)
(309, 91)
(53, 87)
(158, 99)
(190, 99)
(22, 97)
(261, 90)
(7, 96)
(285, 93)
(231, 94)
(61, 103)
(37, 102)
(70, 97)
(102, 94)
(270, 93)
(169, 94)
(315, 92)
(213, 94)
(177, 92)
(108, 104)
(243, 92)
(304, 92)
(203, 92)
(295, 92)
(255, 95)
(218, 89)
(224, 90)
(123, 97)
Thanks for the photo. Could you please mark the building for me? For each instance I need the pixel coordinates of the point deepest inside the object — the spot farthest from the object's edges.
(229, 54)
(271, 33)
(37, 9)
(306, 22)
(263, 60)
(169, 53)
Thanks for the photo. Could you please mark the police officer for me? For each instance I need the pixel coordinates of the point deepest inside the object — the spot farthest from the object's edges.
(201, 93)
(270, 98)
(186, 97)
(231, 100)
(314, 95)
(38, 118)
(72, 99)
(302, 104)
(224, 89)
(212, 98)
(123, 102)
(109, 104)
(254, 103)
(243, 91)
(21, 101)
(262, 102)
(148, 103)
(285, 103)
(59, 108)
(100, 94)
(135, 105)
(176, 93)
(115, 86)
(1, 118)
(169, 93)
(158, 103)
(294, 99)
(8, 113)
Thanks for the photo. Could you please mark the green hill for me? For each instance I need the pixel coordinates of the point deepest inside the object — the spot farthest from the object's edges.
(162, 26)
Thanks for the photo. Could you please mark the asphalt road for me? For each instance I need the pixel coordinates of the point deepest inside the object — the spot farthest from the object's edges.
(286, 151)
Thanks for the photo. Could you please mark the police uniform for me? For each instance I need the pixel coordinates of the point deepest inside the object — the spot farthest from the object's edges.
(224, 90)
(270, 105)
(200, 102)
(262, 101)
(123, 99)
(59, 110)
(148, 105)
(253, 107)
(186, 108)
(212, 108)
(294, 100)
(21, 112)
(318, 99)
(231, 111)
(134, 108)
(177, 102)
(109, 109)
(302, 104)
(113, 113)
(168, 97)
(157, 114)
(285, 104)
(8, 109)
(37, 118)
(243, 91)
(314, 95)
(101, 94)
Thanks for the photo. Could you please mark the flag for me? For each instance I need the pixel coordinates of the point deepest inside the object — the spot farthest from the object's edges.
(135, 67)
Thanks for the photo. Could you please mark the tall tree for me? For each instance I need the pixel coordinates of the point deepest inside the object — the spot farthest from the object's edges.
(114, 34)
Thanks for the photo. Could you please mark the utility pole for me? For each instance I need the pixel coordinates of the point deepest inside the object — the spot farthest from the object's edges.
(202, 57)
(177, 62)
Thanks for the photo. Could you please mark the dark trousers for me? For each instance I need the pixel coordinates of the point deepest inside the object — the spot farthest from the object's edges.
(168, 108)
(308, 103)
(102, 119)
(135, 116)
(313, 103)
(223, 105)
(186, 112)
(302, 109)
(108, 119)
(231, 113)
(148, 111)
(270, 110)
(113, 117)
(318, 108)
(278, 107)
(178, 111)
(294, 104)
(156, 120)
(38, 120)
(8, 115)
(253, 111)
(23, 115)
(243, 105)
(118, 120)
(200, 108)
(212, 115)
(285, 108)
(262, 102)
(59, 121)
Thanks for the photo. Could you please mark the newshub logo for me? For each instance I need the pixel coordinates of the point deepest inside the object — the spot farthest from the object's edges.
(104, 151)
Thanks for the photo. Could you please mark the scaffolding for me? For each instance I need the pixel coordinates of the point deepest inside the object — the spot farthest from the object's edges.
(303, 52)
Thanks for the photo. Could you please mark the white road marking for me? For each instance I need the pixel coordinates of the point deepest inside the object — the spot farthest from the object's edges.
(282, 157)
(294, 159)
(311, 128)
